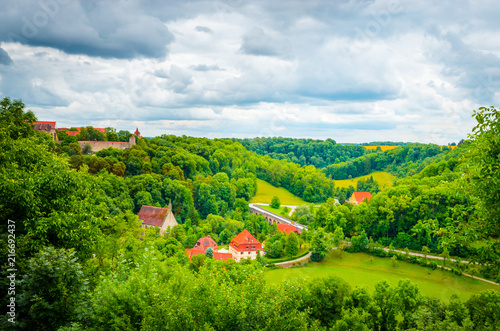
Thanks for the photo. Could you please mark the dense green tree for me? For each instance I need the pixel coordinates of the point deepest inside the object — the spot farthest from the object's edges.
(485, 170)
(53, 289)
(15, 122)
(320, 245)
(292, 244)
(275, 202)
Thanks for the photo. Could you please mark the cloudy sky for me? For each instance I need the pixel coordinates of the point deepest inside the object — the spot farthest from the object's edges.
(353, 71)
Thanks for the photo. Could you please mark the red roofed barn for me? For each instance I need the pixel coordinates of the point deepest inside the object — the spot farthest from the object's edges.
(244, 246)
(287, 228)
(156, 216)
(359, 197)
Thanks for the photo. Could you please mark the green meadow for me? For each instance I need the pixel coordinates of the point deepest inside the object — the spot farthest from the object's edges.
(266, 192)
(279, 211)
(383, 178)
(363, 270)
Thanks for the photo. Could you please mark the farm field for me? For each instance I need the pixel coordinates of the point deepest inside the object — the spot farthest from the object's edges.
(383, 148)
(363, 270)
(383, 178)
(266, 192)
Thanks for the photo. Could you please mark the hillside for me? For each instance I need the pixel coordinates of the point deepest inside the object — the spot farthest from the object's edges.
(266, 192)
(384, 179)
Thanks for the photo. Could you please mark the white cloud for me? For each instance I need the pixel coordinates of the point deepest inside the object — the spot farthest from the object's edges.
(352, 71)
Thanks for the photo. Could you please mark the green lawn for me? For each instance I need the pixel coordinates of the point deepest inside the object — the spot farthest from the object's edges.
(266, 192)
(278, 211)
(363, 270)
(384, 180)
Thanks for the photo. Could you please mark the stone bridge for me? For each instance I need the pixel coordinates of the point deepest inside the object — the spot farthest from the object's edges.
(272, 218)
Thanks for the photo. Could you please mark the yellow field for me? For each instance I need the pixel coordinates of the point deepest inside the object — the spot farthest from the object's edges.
(266, 192)
(384, 180)
(384, 148)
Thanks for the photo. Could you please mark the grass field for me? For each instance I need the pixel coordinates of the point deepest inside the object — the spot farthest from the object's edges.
(384, 148)
(278, 211)
(363, 270)
(266, 192)
(384, 180)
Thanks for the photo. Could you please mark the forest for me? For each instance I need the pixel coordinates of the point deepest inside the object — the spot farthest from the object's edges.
(71, 235)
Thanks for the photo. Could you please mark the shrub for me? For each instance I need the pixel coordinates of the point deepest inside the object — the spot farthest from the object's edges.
(433, 265)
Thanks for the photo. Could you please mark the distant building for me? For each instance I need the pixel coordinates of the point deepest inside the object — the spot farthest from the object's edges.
(244, 246)
(77, 130)
(359, 197)
(287, 228)
(97, 146)
(47, 126)
(201, 246)
(156, 216)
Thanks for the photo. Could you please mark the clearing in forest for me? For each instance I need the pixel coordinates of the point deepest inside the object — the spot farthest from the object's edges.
(363, 270)
(266, 192)
(384, 180)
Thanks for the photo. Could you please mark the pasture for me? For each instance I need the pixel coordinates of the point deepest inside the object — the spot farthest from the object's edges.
(266, 192)
(383, 178)
(363, 270)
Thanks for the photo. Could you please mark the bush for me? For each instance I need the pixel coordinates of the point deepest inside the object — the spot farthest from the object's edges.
(378, 252)
(433, 265)
(385, 241)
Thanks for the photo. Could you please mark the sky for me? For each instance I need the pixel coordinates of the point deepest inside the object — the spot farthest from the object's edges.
(352, 71)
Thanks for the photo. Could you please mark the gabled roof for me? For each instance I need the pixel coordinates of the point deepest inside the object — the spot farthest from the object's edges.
(45, 125)
(287, 228)
(205, 242)
(245, 242)
(360, 196)
(244, 237)
(153, 216)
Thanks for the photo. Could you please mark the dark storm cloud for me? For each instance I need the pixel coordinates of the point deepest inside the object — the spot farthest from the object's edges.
(474, 70)
(4, 57)
(105, 29)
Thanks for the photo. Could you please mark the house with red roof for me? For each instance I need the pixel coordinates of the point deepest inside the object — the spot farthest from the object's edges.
(201, 246)
(244, 246)
(287, 228)
(156, 216)
(47, 126)
(359, 197)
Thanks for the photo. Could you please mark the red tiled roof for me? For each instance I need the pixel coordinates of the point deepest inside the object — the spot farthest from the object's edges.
(44, 125)
(194, 251)
(360, 196)
(153, 216)
(222, 256)
(74, 133)
(245, 242)
(287, 228)
(217, 256)
(205, 242)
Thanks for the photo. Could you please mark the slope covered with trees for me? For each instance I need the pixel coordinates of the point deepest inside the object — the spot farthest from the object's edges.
(82, 263)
